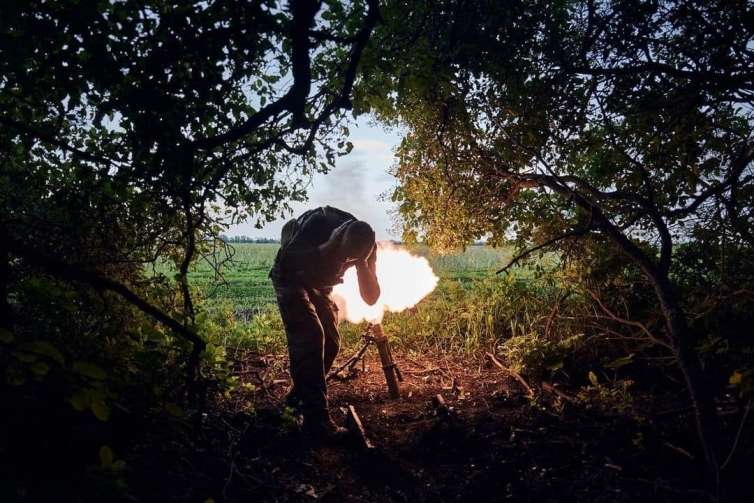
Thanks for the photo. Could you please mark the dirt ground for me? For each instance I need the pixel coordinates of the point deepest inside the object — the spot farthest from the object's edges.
(491, 443)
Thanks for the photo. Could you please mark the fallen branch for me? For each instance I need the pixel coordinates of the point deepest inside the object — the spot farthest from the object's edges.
(555, 391)
(357, 428)
(511, 373)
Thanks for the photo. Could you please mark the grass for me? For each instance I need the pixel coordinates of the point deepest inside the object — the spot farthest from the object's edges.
(472, 308)
(246, 284)
(249, 290)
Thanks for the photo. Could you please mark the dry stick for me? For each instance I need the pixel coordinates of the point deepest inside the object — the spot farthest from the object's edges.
(552, 389)
(612, 316)
(512, 373)
(555, 309)
(738, 436)
(679, 450)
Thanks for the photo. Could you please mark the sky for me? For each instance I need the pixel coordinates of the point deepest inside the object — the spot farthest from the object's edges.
(354, 185)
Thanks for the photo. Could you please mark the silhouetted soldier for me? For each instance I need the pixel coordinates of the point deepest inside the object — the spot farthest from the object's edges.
(315, 251)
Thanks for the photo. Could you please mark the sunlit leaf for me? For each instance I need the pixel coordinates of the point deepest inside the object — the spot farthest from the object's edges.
(735, 378)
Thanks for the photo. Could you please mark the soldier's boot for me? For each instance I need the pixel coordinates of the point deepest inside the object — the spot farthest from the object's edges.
(320, 428)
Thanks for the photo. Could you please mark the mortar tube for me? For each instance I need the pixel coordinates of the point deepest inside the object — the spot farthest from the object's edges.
(388, 366)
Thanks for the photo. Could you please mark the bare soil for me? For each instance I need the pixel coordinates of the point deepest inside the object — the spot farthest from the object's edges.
(492, 443)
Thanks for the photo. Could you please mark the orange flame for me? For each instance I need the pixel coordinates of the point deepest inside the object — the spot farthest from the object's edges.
(404, 280)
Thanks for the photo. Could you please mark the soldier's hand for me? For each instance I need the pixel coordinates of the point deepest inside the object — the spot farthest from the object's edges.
(372, 258)
(370, 261)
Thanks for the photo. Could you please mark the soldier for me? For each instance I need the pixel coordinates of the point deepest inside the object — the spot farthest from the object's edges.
(315, 251)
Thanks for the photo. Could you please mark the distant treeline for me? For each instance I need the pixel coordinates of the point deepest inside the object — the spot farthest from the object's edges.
(248, 239)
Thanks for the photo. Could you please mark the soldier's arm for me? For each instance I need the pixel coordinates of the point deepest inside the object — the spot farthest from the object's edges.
(366, 272)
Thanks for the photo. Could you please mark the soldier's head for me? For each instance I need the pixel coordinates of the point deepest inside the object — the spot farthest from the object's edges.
(358, 240)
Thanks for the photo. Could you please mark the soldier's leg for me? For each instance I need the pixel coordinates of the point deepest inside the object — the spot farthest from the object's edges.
(305, 349)
(327, 311)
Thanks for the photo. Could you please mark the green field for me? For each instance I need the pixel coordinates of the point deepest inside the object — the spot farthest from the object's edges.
(248, 289)
(245, 283)
(471, 308)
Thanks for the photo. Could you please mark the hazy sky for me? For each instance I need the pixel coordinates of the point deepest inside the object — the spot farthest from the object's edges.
(354, 185)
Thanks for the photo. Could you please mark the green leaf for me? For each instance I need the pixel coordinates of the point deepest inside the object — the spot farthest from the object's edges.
(100, 409)
(6, 337)
(15, 378)
(24, 357)
(40, 368)
(46, 349)
(105, 456)
(88, 369)
(593, 379)
(80, 400)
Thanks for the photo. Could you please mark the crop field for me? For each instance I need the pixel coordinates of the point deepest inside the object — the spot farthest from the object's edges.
(246, 287)
(470, 309)
(245, 284)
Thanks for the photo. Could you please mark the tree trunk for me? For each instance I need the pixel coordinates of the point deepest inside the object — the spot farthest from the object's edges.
(700, 393)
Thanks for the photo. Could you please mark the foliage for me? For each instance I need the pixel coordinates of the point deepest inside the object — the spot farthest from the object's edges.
(541, 123)
(611, 397)
(534, 355)
(131, 134)
(615, 135)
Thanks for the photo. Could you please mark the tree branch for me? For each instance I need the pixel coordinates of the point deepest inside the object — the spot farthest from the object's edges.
(612, 316)
(77, 274)
(526, 253)
(50, 139)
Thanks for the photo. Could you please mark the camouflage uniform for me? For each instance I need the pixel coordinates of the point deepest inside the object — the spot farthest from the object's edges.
(303, 282)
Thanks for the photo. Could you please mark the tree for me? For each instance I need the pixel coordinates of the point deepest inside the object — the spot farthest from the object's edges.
(626, 121)
(131, 132)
